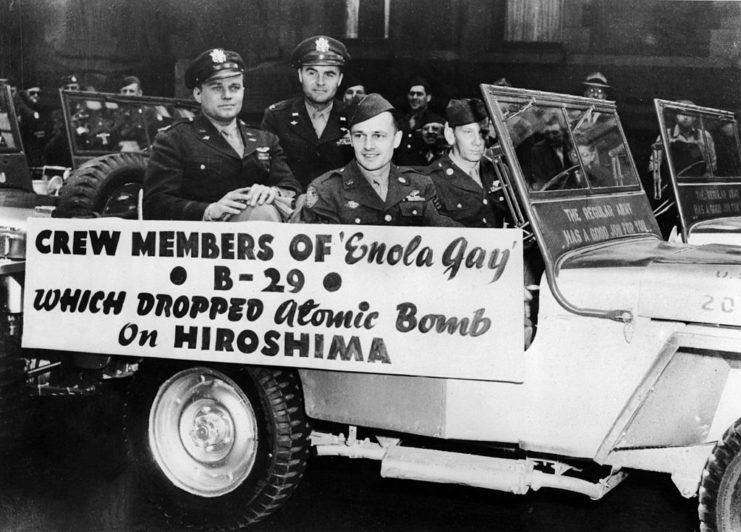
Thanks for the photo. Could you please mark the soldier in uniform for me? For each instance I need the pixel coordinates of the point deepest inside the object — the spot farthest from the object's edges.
(214, 167)
(313, 128)
(412, 150)
(467, 185)
(371, 190)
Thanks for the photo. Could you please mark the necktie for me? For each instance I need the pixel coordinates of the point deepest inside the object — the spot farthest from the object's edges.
(319, 121)
(475, 175)
(381, 189)
(234, 142)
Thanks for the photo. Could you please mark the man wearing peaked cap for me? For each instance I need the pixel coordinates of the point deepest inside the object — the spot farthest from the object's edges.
(214, 167)
(466, 181)
(371, 190)
(312, 128)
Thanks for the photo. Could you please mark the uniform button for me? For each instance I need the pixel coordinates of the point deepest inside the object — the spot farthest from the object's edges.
(409, 145)
(459, 206)
(501, 198)
(483, 220)
(388, 218)
(449, 171)
(203, 167)
(357, 220)
(414, 212)
(486, 201)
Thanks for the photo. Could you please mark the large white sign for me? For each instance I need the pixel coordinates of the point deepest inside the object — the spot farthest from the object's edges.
(409, 301)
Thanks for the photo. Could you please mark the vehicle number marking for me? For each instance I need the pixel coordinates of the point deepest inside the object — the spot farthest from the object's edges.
(724, 304)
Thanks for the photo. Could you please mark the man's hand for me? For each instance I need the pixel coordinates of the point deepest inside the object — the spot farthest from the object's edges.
(260, 195)
(232, 203)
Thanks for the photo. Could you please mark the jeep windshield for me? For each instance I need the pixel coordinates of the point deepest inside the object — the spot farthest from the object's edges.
(570, 166)
(703, 158)
(570, 175)
(100, 123)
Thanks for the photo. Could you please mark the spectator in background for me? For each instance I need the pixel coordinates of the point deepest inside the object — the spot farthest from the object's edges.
(33, 124)
(69, 83)
(130, 86)
(312, 128)
(351, 89)
(691, 148)
(595, 86)
(411, 152)
(435, 145)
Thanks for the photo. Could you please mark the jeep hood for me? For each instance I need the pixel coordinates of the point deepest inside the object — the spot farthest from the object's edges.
(656, 279)
(719, 231)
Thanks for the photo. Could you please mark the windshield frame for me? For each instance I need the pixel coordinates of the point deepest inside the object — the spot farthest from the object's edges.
(69, 99)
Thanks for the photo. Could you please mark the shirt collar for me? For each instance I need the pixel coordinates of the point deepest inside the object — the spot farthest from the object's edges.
(466, 166)
(314, 112)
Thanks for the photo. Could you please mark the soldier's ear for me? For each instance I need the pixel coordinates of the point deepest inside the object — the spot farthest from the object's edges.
(197, 94)
(397, 138)
(449, 135)
(428, 98)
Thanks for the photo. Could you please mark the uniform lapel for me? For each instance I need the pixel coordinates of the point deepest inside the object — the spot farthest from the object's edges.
(336, 124)
(209, 135)
(300, 123)
(357, 190)
(249, 139)
(399, 187)
(459, 178)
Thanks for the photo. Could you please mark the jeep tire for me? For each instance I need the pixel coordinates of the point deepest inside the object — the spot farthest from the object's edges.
(720, 487)
(216, 447)
(106, 186)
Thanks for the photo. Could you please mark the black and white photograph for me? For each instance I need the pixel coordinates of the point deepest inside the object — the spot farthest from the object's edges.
(370, 265)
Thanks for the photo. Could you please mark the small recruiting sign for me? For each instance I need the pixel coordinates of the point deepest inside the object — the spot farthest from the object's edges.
(410, 301)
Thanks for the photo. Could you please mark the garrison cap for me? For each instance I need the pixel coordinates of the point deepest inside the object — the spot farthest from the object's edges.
(320, 50)
(212, 63)
(465, 111)
(369, 106)
(596, 79)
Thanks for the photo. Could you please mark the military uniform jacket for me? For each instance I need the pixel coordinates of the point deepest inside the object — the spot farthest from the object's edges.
(463, 200)
(192, 165)
(344, 196)
(309, 156)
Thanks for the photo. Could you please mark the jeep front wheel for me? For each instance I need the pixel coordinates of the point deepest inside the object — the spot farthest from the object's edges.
(720, 487)
(216, 447)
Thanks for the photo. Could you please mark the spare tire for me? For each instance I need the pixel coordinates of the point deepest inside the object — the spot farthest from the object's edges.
(105, 186)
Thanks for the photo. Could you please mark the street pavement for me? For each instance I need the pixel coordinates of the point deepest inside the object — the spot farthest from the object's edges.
(70, 477)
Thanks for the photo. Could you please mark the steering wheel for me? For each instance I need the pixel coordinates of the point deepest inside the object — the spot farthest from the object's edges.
(558, 178)
(690, 167)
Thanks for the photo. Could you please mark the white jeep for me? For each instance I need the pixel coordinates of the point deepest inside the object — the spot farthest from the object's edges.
(249, 334)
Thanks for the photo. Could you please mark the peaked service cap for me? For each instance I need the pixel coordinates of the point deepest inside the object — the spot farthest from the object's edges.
(212, 63)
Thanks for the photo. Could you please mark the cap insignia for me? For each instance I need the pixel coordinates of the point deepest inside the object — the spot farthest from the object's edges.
(218, 56)
(322, 45)
(353, 204)
(293, 122)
